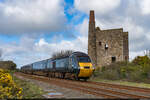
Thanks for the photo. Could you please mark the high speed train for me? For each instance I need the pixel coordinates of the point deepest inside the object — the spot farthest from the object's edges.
(77, 66)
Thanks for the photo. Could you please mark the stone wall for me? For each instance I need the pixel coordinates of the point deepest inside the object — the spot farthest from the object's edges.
(106, 46)
(109, 43)
(125, 46)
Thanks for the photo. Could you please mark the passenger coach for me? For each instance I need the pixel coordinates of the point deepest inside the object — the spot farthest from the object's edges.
(77, 65)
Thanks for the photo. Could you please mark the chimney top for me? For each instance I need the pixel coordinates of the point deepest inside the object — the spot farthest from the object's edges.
(92, 16)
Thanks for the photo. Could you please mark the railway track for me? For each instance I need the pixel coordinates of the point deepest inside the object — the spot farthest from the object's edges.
(98, 89)
(146, 90)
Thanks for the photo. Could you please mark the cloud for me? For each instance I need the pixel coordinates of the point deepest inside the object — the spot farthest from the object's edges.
(101, 6)
(78, 44)
(31, 16)
(145, 6)
(112, 14)
(1, 54)
(29, 50)
(82, 28)
(134, 54)
(138, 36)
(127, 16)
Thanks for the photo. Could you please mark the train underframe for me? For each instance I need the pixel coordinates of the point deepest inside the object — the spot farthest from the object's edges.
(51, 74)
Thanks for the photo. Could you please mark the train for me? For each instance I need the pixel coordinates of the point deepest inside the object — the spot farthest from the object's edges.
(76, 66)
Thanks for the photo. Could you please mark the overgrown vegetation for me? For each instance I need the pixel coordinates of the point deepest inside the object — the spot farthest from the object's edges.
(137, 71)
(30, 90)
(9, 65)
(61, 54)
(8, 88)
(14, 88)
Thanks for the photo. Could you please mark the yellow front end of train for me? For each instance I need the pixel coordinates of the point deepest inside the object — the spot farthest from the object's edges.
(86, 69)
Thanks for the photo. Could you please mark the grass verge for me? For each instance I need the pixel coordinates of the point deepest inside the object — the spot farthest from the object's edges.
(30, 90)
(122, 82)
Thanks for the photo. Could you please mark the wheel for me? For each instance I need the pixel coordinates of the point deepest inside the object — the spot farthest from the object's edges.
(54, 75)
(63, 75)
(76, 77)
(47, 75)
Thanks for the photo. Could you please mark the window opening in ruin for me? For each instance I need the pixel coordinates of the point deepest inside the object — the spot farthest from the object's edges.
(126, 58)
(113, 59)
(106, 46)
(100, 43)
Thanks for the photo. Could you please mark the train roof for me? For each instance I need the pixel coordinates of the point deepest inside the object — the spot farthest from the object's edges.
(35, 62)
(80, 53)
(74, 53)
(77, 53)
(60, 57)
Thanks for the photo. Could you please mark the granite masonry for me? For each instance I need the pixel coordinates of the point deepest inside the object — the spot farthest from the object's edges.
(106, 46)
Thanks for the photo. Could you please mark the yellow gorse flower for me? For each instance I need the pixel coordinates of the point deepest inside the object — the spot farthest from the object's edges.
(8, 89)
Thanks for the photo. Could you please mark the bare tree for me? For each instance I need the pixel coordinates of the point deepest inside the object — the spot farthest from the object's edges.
(62, 53)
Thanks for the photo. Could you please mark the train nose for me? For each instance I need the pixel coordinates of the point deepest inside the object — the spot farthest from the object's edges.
(86, 70)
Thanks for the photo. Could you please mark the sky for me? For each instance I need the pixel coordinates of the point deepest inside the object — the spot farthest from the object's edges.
(32, 30)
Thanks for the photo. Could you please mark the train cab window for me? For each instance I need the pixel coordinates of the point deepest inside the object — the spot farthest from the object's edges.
(113, 59)
(74, 63)
(84, 59)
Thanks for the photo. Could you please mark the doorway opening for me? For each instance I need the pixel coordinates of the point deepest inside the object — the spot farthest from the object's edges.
(113, 59)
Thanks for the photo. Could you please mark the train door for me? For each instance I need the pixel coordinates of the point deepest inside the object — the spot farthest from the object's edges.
(54, 65)
(46, 62)
(70, 63)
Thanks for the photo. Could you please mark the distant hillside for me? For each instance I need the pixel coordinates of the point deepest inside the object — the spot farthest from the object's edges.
(7, 65)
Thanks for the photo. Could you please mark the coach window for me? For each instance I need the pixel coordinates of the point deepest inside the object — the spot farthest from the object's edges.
(73, 61)
(54, 64)
(50, 64)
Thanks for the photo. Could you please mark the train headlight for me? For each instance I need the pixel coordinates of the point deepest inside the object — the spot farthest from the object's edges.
(81, 67)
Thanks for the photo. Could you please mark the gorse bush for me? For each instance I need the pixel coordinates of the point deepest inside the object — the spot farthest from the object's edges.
(137, 70)
(142, 60)
(8, 89)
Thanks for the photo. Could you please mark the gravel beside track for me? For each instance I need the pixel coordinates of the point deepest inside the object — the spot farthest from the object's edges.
(93, 89)
(52, 88)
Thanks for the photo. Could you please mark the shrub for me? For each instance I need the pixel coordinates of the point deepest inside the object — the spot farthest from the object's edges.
(8, 89)
(110, 74)
(9, 65)
(142, 60)
(138, 70)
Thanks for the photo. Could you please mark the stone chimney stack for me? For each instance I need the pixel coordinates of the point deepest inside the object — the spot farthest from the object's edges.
(92, 38)
(92, 21)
